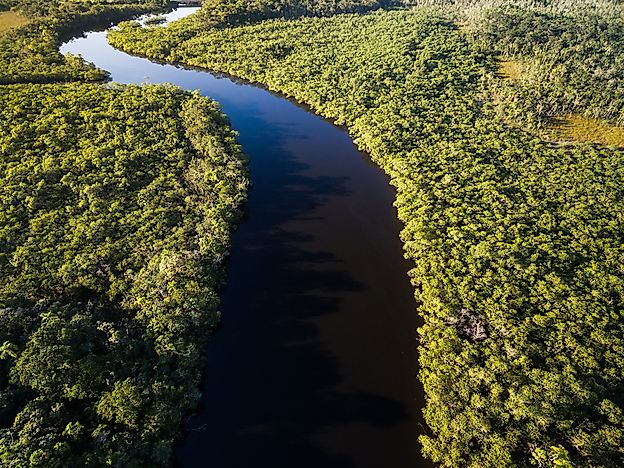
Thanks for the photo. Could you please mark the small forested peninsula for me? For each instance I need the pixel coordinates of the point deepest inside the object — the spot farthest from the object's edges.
(115, 211)
(517, 239)
(116, 205)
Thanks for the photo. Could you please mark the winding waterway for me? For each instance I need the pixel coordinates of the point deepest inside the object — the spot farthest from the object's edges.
(315, 364)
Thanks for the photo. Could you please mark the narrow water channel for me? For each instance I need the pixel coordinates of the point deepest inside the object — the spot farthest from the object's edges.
(315, 365)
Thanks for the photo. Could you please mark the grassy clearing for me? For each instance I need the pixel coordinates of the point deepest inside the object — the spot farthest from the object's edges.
(510, 69)
(571, 127)
(11, 19)
(580, 128)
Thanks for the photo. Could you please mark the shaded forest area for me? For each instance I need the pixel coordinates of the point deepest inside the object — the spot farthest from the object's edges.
(116, 205)
(517, 242)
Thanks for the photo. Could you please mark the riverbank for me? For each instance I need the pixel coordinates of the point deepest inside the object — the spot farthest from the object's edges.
(516, 241)
(316, 360)
(116, 204)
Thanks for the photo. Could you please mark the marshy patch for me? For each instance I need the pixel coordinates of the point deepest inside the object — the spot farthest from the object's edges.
(510, 69)
(10, 20)
(578, 128)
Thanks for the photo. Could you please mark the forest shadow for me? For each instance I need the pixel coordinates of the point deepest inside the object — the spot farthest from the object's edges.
(270, 383)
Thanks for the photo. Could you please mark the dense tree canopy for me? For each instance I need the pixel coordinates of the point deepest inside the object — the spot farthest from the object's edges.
(29, 54)
(517, 243)
(229, 12)
(571, 55)
(116, 205)
(115, 210)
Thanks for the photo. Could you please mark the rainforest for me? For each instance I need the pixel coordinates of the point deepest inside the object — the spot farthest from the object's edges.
(498, 125)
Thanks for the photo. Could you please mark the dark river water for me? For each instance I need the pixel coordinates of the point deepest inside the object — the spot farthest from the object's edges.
(315, 365)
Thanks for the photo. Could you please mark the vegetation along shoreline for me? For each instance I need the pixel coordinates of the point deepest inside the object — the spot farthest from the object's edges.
(499, 124)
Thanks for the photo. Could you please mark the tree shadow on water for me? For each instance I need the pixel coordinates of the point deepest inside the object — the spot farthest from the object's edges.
(272, 383)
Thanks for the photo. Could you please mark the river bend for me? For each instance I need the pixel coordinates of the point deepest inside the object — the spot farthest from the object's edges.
(315, 365)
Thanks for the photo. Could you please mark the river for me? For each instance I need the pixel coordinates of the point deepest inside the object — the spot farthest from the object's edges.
(315, 363)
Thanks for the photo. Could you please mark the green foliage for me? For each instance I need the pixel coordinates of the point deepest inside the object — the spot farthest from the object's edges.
(229, 12)
(557, 457)
(29, 54)
(115, 210)
(517, 244)
(573, 57)
(121, 405)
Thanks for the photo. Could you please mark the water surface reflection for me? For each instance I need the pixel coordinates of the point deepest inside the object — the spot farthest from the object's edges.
(315, 363)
